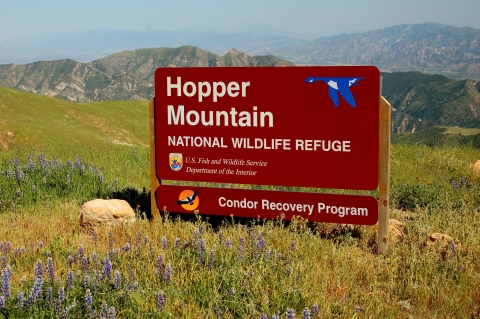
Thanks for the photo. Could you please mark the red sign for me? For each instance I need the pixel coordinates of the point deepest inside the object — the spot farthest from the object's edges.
(291, 126)
(331, 208)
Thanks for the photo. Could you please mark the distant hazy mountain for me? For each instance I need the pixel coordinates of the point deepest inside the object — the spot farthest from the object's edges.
(123, 76)
(428, 47)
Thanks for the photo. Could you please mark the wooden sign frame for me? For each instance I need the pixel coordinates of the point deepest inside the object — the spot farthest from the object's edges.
(384, 172)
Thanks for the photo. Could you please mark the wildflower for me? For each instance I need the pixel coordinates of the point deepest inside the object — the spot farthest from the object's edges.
(67, 310)
(61, 295)
(127, 247)
(117, 280)
(49, 296)
(232, 291)
(201, 250)
(292, 246)
(290, 314)
(168, 273)
(104, 310)
(315, 310)
(2, 302)
(6, 279)
(50, 269)
(20, 298)
(306, 314)
(80, 250)
(70, 277)
(100, 177)
(177, 241)
(164, 242)
(160, 265)
(38, 268)
(107, 268)
(263, 316)
(161, 300)
(88, 300)
(241, 249)
(30, 163)
(20, 175)
(220, 237)
(34, 292)
(228, 243)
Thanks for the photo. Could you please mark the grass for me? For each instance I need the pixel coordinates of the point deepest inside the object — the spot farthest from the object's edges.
(194, 269)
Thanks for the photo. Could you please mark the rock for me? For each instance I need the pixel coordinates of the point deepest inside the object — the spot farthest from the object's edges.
(439, 239)
(476, 166)
(111, 212)
(395, 229)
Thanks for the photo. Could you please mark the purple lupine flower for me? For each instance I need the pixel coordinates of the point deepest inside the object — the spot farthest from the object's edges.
(306, 314)
(160, 264)
(3, 261)
(2, 302)
(86, 281)
(100, 177)
(167, 276)
(290, 314)
(6, 279)
(38, 268)
(127, 247)
(133, 286)
(84, 261)
(67, 310)
(292, 246)
(113, 252)
(111, 313)
(263, 316)
(70, 278)
(195, 234)
(117, 279)
(200, 229)
(275, 317)
(177, 241)
(201, 250)
(34, 292)
(220, 237)
(241, 249)
(228, 243)
(88, 300)
(30, 163)
(49, 296)
(161, 300)
(107, 268)
(315, 309)
(81, 250)
(164, 243)
(50, 269)
(61, 294)
(20, 298)
(20, 175)
(104, 310)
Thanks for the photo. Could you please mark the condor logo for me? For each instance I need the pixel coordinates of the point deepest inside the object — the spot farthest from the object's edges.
(339, 86)
(188, 199)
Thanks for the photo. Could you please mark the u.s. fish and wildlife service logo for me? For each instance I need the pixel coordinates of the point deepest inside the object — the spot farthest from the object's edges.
(175, 161)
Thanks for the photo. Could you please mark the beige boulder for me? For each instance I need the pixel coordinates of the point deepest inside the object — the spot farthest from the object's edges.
(395, 229)
(439, 239)
(111, 212)
(476, 166)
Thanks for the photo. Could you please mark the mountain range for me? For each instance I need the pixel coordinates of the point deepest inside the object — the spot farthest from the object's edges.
(427, 47)
(419, 100)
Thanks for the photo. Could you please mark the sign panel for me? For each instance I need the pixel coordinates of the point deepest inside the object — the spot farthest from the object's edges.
(286, 126)
(331, 208)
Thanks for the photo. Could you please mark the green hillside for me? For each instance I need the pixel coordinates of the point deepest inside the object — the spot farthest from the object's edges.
(31, 120)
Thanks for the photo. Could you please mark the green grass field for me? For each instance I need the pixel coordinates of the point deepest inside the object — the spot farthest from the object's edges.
(53, 268)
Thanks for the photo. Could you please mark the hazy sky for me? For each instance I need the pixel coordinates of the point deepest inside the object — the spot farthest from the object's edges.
(307, 17)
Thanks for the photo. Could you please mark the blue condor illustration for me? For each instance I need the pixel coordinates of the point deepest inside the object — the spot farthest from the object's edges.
(338, 85)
